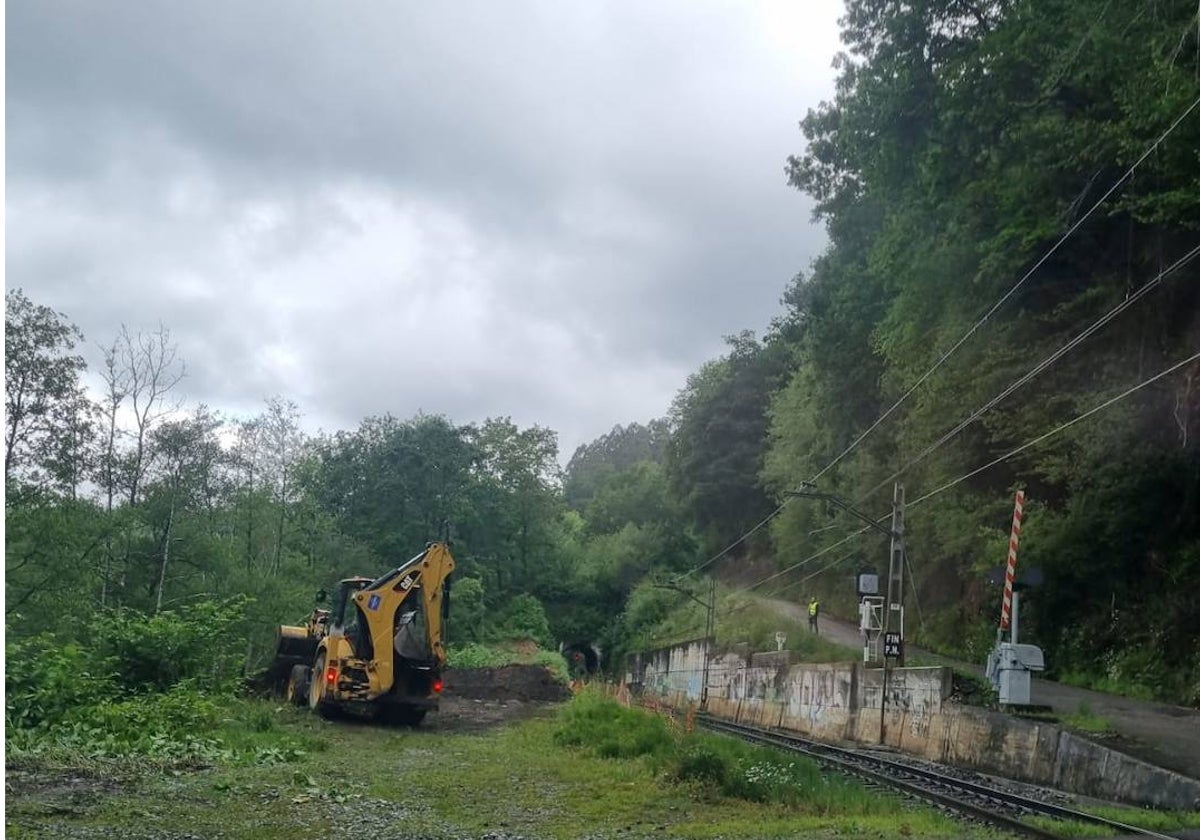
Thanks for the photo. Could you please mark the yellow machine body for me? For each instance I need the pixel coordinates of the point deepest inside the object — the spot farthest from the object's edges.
(380, 645)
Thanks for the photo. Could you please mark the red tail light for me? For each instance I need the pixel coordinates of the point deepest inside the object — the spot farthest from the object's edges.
(331, 675)
(437, 686)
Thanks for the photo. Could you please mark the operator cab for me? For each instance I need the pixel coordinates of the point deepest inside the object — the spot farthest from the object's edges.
(352, 626)
(346, 588)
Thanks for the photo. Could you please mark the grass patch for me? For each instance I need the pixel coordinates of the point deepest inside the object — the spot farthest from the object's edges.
(475, 655)
(717, 768)
(1085, 720)
(376, 781)
(164, 733)
(1108, 685)
(743, 621)
(609, 730)
(1163, 821)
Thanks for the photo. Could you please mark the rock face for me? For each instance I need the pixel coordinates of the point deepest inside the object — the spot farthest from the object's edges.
(509, 682)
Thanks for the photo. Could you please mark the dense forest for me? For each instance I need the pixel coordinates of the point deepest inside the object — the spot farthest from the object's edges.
(999, 181)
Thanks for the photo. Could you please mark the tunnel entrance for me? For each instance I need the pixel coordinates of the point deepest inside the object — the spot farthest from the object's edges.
(583, 659)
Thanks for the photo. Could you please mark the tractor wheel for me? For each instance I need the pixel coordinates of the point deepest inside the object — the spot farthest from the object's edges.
(297, 685)
(316, 690)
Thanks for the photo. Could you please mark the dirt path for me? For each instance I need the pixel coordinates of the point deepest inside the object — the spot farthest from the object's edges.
(1166, 735)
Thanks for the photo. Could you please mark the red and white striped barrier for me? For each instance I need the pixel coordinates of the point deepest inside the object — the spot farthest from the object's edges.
(1010, 574)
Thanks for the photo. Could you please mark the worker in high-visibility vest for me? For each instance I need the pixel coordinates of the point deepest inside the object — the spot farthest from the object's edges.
(814, 608)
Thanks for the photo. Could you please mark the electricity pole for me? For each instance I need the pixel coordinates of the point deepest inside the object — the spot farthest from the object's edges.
(895, 591)
(893, 607)
(710, 609)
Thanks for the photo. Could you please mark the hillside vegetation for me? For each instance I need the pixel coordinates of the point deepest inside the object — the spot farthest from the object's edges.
(964, 142)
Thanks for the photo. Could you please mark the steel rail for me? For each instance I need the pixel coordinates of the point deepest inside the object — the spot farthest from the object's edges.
(853, 761)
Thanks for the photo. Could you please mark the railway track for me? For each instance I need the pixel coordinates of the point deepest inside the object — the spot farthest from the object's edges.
(976, 801)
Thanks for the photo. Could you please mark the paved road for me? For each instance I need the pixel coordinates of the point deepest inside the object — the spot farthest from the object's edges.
(1166, 735)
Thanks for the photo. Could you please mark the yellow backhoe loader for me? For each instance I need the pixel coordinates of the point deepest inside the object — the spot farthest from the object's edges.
(379, 649)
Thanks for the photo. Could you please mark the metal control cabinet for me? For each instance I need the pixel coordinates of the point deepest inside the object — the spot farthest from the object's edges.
(1010, 666)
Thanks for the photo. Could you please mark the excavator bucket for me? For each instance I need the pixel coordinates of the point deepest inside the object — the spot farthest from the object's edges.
(293, 646)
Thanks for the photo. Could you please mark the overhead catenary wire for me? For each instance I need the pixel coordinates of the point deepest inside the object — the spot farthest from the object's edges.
(1033, 372)
(1057, 430)
(805, 561)
(1008, 294)
(1028, 376)
(733, 544)
(999, 459)
(962, 340)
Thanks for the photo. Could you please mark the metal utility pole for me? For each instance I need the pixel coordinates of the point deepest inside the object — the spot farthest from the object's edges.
(708, 634)
(896, 566)
(893, 619)
(709, 621)
(893, 608)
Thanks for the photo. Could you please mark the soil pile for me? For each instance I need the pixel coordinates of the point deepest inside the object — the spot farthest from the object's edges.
(509, 682)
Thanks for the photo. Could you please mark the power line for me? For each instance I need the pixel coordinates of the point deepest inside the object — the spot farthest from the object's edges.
(974, 328)
(1035, 370)
(805, 561)
(1028, 444)
(733, 544)
(812, 575)
(1013, 290)
(1057, 430)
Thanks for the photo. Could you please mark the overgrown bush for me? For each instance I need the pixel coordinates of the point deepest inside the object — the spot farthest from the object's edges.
(610, 730)
(45, 680)
(523, 618)
(158, 686)
(712, 763)
(193, 643)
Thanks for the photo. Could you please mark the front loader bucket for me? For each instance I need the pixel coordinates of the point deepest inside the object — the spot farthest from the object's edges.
(293, 646)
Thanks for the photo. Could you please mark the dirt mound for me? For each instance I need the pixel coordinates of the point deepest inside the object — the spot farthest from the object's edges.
(461, 715)
(510, 682)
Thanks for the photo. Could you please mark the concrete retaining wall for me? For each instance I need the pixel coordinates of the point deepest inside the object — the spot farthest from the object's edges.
(841, 702)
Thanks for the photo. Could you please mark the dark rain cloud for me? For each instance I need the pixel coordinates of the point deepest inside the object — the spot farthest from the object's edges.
(550, 210)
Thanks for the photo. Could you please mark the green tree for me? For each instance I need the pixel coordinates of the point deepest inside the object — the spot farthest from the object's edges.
(392, 484)
(188, 456)
(45, 413)
(719, 426)
(638, 495)
(962, 142)
(622, 447)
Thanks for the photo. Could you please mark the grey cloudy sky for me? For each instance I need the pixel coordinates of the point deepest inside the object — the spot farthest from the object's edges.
(550, 210)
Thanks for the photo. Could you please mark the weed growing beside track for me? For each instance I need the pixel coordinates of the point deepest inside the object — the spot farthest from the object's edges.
(716, 767)
(1163, 821)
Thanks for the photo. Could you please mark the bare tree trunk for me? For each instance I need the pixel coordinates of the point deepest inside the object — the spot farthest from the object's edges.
(278, 539)
(1183, 407)
(113, 378)
(151, 373)
(166, 555)
(250, 523)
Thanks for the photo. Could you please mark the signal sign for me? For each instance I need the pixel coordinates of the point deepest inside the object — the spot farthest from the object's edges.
(893, 645)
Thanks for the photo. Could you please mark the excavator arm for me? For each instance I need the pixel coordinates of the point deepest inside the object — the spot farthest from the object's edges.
(381, 644)
(404, 612)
